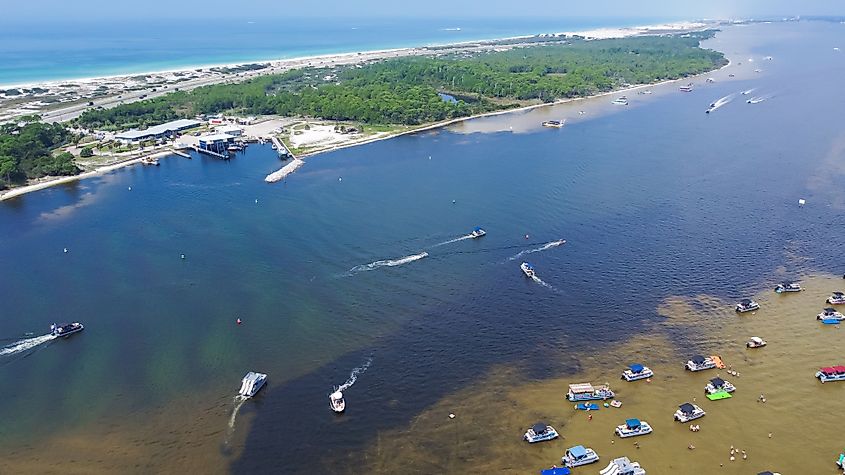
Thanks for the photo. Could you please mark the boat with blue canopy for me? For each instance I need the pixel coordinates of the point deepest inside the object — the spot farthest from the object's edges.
(540, 432)
(579, 455)
(700, 363)
(477, 232)
(687, 412)
(633, 428)
(636, 372)
(718, 384)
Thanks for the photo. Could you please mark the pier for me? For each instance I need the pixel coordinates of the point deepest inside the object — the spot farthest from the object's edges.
(182, 154)
(280, 147)
(210, 152)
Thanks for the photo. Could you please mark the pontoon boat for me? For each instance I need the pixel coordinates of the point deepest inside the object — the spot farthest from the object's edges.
(687, 412)
(788, 287)
(588, 392)
(836, 298)
(635, 372)
(830, 313)
(687, 88)
(747, 305)
(65, 329)
(831, 373)
(540, 432)
(621, 101)
(251, 383)
(579, 455)
(718, 384)
(554, 123)
(700, 363)
(633, 428)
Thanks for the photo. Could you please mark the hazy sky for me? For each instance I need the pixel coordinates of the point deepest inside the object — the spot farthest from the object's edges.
(72, 10)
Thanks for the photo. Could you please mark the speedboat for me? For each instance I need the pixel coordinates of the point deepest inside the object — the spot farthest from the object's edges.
(622, 466)
(831, 373)
(700, 363)
(788, 286)
(251, 383)
(836, 298)
(540, 432)
(687, 88)
(621, 101)
(527, 269)
(840, 462)
(579, 455)
(65, 329)
(755, 342)
(554, 123)
(687, 412)
(636, 372)
(588, 392)
(718, 384)
(336, 402)
(830, 313)
(477, 232)
(747, 305)
(633, 428)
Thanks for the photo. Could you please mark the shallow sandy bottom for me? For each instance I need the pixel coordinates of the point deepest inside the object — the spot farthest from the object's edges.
(800, 412)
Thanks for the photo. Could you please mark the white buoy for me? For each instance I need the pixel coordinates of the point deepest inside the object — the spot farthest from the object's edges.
(451, 416)
(130, 188)
(65, 250)
(256, 201)
(801, 202)
(183, 256)
(339, 178)
(453, 201)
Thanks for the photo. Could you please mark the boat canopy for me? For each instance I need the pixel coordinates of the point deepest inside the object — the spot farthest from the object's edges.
(756, 339)
(539, 427)
(746, 302)
(336, 395)
(578, 451)
(839, 294)
(839, 369)
(766, 473)
(623, 463)
(528, 265)
(697, 359)
(477, 228)
(637, 368)
(687, 408)
(828, 370)
(829, 310)
(581, 388)
(717, 382)
(633, 423)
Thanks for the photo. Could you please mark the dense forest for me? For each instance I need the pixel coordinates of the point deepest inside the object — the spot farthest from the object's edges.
(405, 90)
(26, 151)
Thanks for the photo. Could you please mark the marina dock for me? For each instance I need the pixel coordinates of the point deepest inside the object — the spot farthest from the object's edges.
(280, 147)
(210, 152)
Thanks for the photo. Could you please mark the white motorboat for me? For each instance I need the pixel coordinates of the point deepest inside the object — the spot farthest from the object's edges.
(251, 383)
(540, 432)
(700, 363)
(477, 232)
(633, 428)
(830, 313)
(336, 402)
(636, 372)
(788, 287)
(687, 88)
(836, 298)
(747, 305)
(718, 384)
(554, 123)
(65, 329)
(620, 101)
(755, 342)
(622, 466)
(687, 412)
(579, 455)
(527, 269)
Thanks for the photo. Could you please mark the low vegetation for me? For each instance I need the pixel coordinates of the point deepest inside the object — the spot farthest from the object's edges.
(405, 90)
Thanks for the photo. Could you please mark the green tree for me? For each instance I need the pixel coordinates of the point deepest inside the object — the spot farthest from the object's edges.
(86, 152)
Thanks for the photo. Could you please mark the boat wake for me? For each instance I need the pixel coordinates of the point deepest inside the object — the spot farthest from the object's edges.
(386, 263)
(544, 284)
(353, 376)
(721, 102)
(748, 91)
(239, 401)
(757, 100)
(26, 344)
(468, 236)
(544, 247)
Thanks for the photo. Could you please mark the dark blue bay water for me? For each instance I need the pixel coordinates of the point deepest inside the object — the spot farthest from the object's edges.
(67, 50)
(654, 200)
